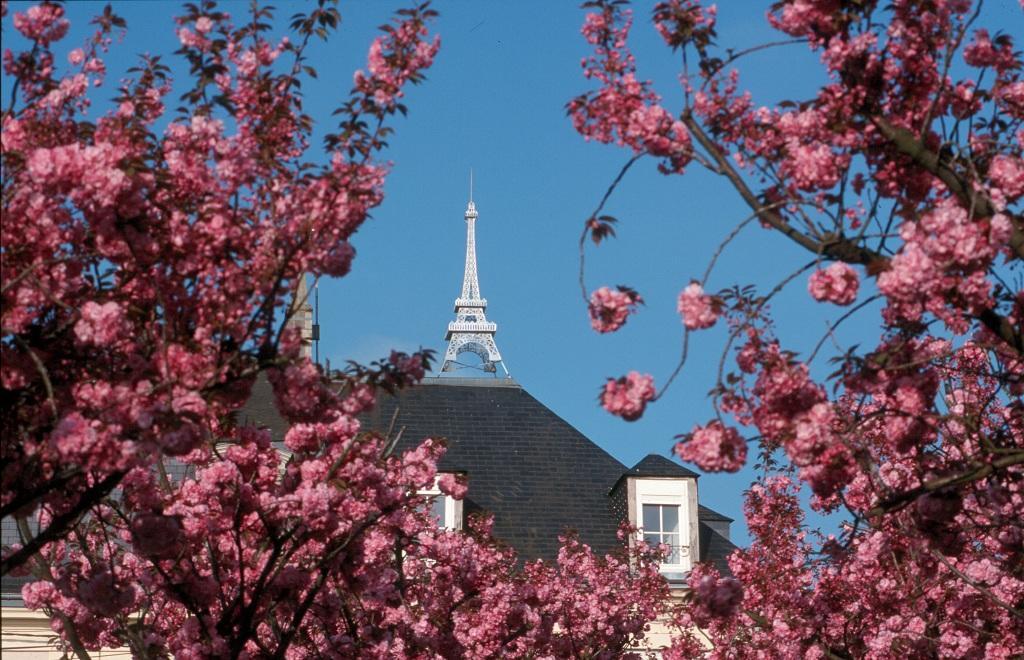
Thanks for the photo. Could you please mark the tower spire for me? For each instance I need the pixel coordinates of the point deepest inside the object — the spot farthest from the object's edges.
(471, 332)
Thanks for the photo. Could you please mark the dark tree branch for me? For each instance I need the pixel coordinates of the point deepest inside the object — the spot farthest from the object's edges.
(835, 247)
(909, 145)
(62, 523)
(979, 471)
(841, 248)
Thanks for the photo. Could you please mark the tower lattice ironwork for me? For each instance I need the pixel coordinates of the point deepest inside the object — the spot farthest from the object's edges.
(471, 332)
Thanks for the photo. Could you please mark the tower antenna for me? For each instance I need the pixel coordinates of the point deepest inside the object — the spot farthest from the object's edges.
(471, 332)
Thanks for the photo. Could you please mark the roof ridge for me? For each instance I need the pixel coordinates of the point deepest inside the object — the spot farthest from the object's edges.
(455, 381)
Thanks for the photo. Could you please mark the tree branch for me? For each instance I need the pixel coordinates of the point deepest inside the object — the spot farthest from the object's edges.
(61, 523)
(1003, 328)
(984, 590)
(909, 145)
(24, 498)
(834, 247)
(841, 248)
(980, 471)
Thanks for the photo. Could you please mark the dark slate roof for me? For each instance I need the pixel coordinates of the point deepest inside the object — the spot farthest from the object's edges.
(704, 513)
(537, 474)
(714, 547)
(260, 411)
(653, 465)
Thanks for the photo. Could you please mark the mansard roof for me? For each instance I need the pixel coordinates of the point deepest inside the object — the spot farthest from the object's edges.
(653, 465)
(534, 471)
(537, 474)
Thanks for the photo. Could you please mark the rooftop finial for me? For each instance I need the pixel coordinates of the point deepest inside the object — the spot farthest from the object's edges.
(471, 332)
(471, 207)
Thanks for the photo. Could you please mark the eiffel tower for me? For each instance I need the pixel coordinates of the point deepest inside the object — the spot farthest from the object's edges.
(471, 332)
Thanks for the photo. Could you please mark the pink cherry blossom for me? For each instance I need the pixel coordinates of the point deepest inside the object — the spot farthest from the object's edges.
(628, 396)
(104, 594)
(156, 536)
(696, 308)
(871, 171)
(836, 284)
(1008, 174)
(43, 23)
(100, 324)
(812, 167)
(625, 111)
(147, 262)
(719, 597)
(453, 485)
(410, 367)
(609, 308)
(714, 448)
(982, 52)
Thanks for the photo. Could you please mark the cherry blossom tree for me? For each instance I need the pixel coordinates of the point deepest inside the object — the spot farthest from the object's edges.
(150, 260)
(145, 272)
(901, 177)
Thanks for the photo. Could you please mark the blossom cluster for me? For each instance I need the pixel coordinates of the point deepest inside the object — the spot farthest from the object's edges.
(395, 59)
(697, 309)
(624, 110)
(903, 171)
(145, 270)
(627, 397)
(148, 282)
(713, 447)
(609, 308)
(334, 531)
(836, 284)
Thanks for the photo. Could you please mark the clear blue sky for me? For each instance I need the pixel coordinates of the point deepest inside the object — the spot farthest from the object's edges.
(494, 102)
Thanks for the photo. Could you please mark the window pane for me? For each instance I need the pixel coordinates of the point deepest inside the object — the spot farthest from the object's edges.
(670, 518)
(674, 557)
(651, 522)
(437, 509)
(652, 540)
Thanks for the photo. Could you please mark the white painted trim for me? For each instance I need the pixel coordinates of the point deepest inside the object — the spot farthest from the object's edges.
(677, 492)
(452, 507)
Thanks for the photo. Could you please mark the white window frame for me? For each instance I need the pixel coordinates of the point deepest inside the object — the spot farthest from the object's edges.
(680, 533)
(669, 492)
(452, 507)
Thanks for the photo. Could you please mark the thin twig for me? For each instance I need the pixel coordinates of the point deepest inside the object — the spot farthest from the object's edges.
(984, 590)
(747, 51)
(850, 312)
(679, 366)
(728, 239)
(43, 373)
(586, 227)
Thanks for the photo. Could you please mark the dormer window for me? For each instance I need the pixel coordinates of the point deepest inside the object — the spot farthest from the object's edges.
(660, 499)
(662, 512)
(446, 510)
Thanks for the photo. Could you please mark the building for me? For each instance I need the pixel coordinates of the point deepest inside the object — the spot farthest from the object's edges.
(527, 466)
(537, 474)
